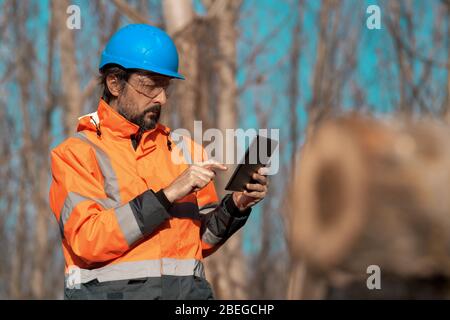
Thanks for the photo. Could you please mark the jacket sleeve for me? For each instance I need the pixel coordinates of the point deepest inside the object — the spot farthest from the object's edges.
(95, 227)
(219, 221)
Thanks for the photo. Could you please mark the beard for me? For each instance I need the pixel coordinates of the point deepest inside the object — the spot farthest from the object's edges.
(146, 120)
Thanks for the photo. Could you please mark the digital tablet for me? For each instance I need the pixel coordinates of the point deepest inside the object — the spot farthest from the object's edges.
(256, 156)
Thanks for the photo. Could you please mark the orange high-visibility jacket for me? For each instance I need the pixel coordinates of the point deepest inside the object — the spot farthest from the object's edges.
(115, 221)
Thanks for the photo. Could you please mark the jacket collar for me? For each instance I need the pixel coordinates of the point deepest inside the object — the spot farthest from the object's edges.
(117, 125)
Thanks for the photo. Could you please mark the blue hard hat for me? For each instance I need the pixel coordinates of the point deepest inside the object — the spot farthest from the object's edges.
(141, 46)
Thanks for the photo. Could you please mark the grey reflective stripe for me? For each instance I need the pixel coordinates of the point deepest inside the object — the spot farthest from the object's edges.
(72, 200)
(210, 237)
(208, 208)
(142, 269)
(111, 184)
(128, 223)
(207, 235)
(182, 267)
(124, 214)
(181, 144)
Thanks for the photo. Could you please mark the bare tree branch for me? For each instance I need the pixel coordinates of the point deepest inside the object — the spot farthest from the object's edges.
(130, 12)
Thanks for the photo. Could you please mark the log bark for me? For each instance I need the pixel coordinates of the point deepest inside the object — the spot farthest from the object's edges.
(371, 192)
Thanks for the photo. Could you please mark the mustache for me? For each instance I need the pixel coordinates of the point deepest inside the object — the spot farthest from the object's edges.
(156, 108)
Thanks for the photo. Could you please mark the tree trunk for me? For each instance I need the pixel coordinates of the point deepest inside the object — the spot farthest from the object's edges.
(300, 272)
(69, 67)
(447, 99)
(40, 196)
(227, 266)
(179, 18)
(26, 169)
(318, 106)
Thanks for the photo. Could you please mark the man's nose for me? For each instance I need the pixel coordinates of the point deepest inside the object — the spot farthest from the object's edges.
(161, 98)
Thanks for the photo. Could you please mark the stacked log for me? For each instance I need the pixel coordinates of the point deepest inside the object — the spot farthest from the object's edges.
(371, 192)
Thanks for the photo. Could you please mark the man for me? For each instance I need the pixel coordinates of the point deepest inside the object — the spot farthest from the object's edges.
(135, 224)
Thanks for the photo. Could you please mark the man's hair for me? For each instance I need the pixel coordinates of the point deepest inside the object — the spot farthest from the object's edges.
(122, 76)
(119, 72)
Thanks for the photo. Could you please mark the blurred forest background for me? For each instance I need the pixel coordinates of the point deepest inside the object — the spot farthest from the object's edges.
(286, 64)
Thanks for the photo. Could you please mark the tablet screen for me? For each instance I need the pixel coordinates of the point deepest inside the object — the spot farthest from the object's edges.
(257, 155)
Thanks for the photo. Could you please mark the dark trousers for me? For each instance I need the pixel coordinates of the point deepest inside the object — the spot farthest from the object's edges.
(165, 287)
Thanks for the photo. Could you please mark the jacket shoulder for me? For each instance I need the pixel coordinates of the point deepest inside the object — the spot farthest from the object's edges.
(70, 147)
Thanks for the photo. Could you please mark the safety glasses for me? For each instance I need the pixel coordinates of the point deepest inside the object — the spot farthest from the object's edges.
(150, 91)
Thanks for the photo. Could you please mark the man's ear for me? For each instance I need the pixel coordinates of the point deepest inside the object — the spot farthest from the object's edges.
(114, 85)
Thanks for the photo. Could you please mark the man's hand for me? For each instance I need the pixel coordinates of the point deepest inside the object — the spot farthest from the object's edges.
(194, 178)
(255, 191)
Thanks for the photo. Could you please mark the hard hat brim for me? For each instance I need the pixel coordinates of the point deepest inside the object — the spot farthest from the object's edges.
(108, 59)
